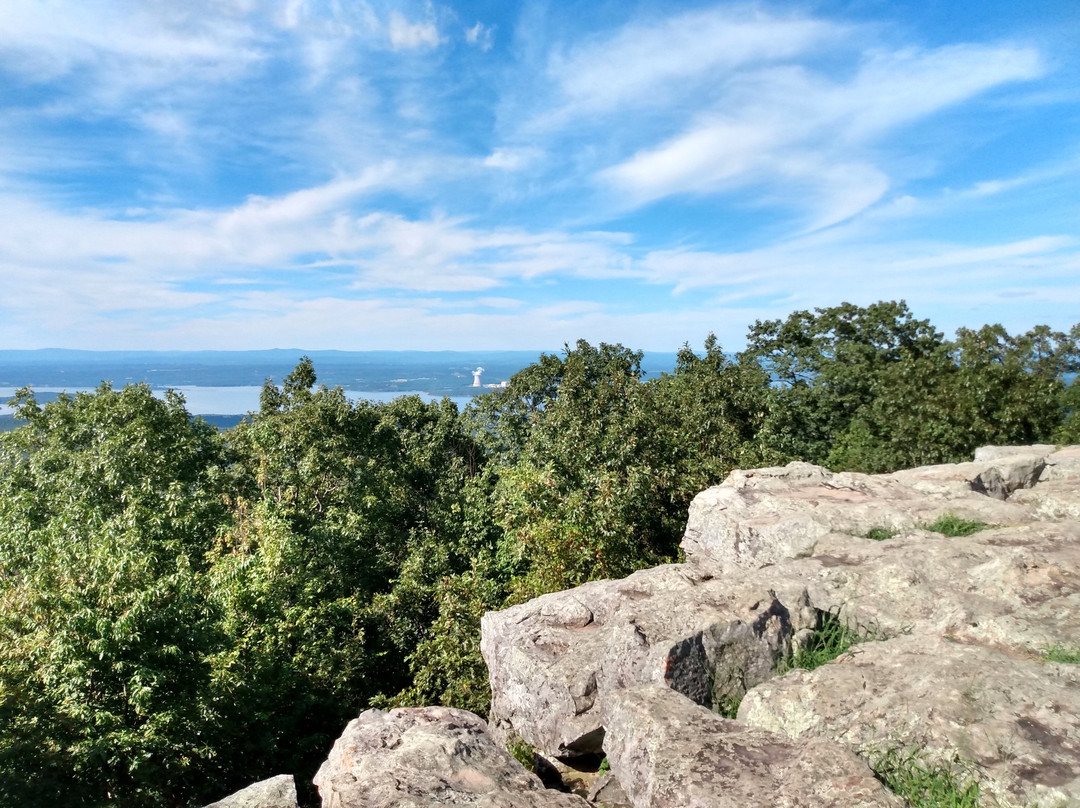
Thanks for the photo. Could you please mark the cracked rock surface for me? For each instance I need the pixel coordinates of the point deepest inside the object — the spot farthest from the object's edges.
(1015, 718)
(963, 622)
(554, 660)
(668, 752)
(275, 792)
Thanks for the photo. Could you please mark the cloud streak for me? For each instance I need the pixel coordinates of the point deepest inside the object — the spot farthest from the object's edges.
(787, 125)
(412, 175)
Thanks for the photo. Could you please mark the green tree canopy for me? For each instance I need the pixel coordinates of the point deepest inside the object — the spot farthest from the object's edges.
(107, 631)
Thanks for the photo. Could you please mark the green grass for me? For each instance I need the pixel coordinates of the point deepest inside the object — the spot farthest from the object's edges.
(923, 783)
(880, 533)
(949, 524)
(832, 638)
(523, 752)
(728, 706)
(1062, 653)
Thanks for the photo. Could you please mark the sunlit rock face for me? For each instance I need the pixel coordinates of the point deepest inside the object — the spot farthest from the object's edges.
(275, 792)
(428, 756)
(961, 623)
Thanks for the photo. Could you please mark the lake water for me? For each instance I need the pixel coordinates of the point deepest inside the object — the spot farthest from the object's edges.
(228, 382)
(226, 400)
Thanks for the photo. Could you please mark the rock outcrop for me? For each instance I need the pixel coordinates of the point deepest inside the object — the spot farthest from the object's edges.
(428, 756)
(949, 664)
(1013, 718)
(553, 660)
(668, 752)
(763, 516)
(772, 555)
(275, 792)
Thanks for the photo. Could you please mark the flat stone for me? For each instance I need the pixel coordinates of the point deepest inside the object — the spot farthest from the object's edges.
(1017, 719)
(1015, 587)
(764, 516)
(668, 752)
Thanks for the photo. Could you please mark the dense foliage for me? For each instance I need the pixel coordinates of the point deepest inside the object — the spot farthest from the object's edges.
(183, 612)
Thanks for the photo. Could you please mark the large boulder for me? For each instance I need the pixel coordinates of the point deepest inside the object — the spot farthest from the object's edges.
(763, 516)
(1057, 494)
(670, 753)
(776, 553)
(1017, 720)
(428, 756)
(553, 661)
(276, 792)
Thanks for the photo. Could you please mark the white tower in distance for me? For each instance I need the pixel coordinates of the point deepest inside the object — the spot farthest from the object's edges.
(476, 377)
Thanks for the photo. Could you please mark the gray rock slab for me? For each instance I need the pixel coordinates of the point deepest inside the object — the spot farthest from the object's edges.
(553, 661)
(985, 453)
(668, 752)
(1015, 587)
(606, 791)
(275, 792)
(1057, 494)
(763, 516)
(428, 756)
(771, 551)
(1016, 718)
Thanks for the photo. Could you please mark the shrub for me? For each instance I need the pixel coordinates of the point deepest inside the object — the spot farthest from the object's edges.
(728, 706)
(523, 753)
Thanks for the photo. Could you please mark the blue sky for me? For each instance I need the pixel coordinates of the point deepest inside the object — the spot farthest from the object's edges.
(492, 174)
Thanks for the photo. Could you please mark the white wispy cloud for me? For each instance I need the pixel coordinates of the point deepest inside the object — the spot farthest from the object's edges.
(407, 35)
(646, 61)
(789, 127)
(133, 44)
(511, 159)
(814, 271)
(481, 36)
(221, 172)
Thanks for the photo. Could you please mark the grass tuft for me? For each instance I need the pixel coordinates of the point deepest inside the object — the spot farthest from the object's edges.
(1062, 653)
(832, 638)
(728, 706)
(523, 752)
(923, 783)
(880, 533)
(949, 524)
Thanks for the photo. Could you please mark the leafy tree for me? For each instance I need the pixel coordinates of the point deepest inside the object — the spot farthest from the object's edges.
(986, 387)
(347, 522)
(827, 365)
(710, 416)
(107, 631)
(601, 483)
(317, 532)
